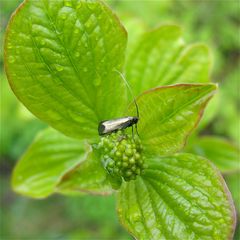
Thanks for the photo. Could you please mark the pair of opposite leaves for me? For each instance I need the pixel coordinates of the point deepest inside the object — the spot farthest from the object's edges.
(53, 49)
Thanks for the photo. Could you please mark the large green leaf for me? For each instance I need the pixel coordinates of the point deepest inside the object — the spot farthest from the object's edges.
(48, 159)
(60, 59)
(178, 197)
(162, 58)
(88, 176)
(168, 115)
(222, 153)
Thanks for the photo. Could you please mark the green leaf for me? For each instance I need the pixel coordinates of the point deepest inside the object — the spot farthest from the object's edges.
(178, 197)
(46, 161)
(135, 28)
(60, 59)
(162, 58)
(237, 232)
(222, 153)
(227, 123)
(88, 176)
(233, 181)
(168, 115)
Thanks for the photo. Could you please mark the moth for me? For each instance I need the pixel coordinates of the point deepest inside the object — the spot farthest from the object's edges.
(113, 125)
(110, 126)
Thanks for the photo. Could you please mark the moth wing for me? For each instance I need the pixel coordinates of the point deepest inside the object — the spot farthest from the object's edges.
(113, 125)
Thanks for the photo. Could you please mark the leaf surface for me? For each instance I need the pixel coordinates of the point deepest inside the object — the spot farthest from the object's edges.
(222, 153)
(178, 197)
(47, 160)
(88, 176)
(135, 28)
(168, 115)
(162, 58)
(60, 59)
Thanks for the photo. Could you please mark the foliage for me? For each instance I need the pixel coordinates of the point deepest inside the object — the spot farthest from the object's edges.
(20, 126)
(5, 11)
(72, 111)
(207, 26)
(222, 153)
(200, 24)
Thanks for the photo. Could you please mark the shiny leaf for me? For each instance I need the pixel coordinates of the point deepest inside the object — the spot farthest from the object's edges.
(168, 115)
(162, 58)
(178, 197)
(88, 176)
(60, 59)
(46, 161)
(135, 28)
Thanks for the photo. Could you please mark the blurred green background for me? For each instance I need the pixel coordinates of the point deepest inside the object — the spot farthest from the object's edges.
(214, 22)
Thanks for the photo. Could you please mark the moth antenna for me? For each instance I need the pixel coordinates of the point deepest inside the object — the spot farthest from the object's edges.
(130, 90)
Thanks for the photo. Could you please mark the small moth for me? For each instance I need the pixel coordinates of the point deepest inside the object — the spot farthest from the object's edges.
(110, 126)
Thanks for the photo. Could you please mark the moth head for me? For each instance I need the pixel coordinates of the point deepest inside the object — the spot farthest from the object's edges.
(135, 119)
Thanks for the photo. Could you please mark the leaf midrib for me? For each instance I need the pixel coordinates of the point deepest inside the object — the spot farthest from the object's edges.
(166, 234)
(136, 190)
(179, 191)
(91, 106)
(166, 118)
(178, 216)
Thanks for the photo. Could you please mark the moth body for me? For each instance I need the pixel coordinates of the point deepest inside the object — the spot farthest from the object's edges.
(110, 126)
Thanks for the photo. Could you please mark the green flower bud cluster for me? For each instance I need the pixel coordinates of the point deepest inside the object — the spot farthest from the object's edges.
(121, 155)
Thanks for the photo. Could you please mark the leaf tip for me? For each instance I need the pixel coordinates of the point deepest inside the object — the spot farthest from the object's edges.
(214, 87)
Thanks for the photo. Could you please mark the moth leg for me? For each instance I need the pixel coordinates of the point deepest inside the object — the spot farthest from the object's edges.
(136, 130)
(132, 133)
